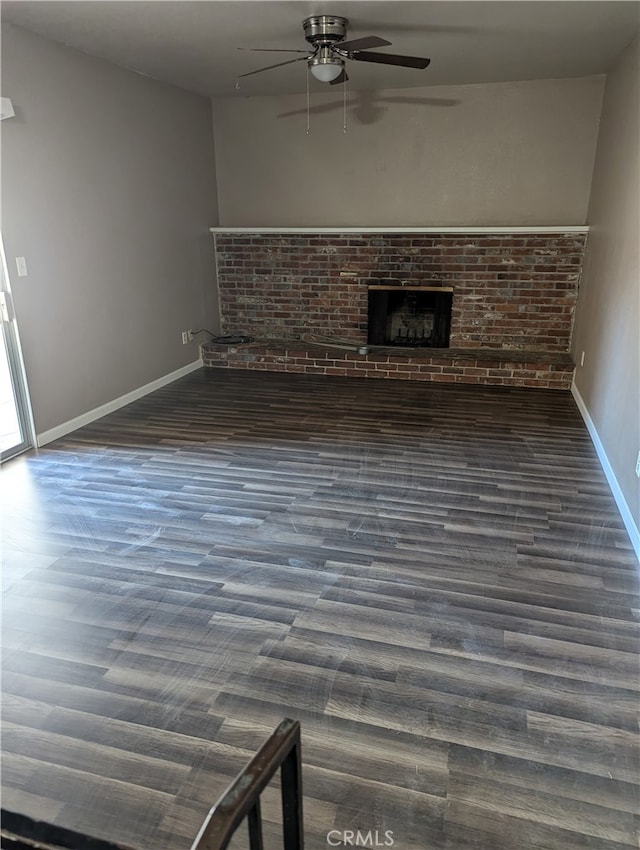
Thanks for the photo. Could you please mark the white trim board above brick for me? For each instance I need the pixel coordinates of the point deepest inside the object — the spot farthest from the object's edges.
(462, 230)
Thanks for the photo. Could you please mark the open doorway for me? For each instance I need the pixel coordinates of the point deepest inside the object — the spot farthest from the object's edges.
(16, 423)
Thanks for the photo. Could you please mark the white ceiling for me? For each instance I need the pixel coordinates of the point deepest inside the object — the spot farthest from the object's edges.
(194, 44)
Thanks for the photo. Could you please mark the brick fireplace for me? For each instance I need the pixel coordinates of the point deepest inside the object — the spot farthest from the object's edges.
(513, 297)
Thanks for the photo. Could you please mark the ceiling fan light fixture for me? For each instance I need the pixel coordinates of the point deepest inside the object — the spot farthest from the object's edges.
(325, 66)
(326, 73)
(326, 35)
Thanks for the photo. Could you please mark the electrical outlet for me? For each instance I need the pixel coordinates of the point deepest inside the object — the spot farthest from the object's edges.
(21, 266)
(638, 465)
(582, 359)
(187, 336)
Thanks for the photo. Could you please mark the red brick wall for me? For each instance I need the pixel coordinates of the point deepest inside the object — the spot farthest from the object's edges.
(514, 292)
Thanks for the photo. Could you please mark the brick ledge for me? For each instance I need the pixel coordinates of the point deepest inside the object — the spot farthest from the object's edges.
(549, 370)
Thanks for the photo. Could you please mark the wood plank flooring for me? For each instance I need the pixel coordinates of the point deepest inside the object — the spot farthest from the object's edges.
(433, 578)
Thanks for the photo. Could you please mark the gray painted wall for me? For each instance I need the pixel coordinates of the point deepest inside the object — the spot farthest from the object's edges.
(500, 154)
(607, 326)
(108, 189)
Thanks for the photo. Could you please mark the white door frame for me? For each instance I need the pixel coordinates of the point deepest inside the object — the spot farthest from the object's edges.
(11, 342)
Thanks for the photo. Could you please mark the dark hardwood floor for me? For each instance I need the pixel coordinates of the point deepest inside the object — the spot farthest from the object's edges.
(433, 578)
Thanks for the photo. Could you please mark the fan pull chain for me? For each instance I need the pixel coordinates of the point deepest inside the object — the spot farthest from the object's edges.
(344, 105)
(308, 116)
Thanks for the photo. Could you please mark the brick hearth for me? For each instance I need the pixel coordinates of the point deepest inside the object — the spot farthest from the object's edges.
(513, 304)
(462, 366)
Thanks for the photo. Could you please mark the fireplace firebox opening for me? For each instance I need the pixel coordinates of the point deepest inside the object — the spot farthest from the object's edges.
(410, 316)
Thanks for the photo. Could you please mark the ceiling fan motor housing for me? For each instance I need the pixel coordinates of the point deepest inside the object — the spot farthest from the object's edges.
(324, 29)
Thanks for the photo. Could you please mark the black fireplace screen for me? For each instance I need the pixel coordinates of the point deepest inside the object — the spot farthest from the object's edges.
(410, 316)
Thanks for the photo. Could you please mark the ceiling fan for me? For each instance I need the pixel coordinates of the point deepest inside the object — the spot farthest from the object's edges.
(326, 60)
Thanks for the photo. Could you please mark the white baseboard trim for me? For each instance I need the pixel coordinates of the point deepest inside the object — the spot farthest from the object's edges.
(623, 507)
(104, 409)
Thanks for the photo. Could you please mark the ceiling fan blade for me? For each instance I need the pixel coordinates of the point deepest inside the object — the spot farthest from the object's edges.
(279, 65)
(341, 79)
(391, 59)
(271, 50)
(362, 43)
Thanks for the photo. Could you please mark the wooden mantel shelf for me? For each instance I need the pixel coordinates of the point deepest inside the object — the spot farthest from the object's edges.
(461, 230)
